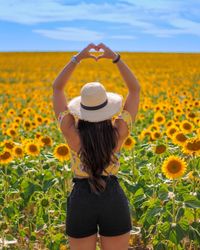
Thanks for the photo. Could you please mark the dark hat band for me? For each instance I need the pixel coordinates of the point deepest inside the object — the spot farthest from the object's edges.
(95, 107)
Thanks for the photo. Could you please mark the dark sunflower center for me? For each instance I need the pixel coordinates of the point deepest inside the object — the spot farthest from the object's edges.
(160, 149)
(6, 155)
(9, 145)
(187, 126)
(174, 166)
(18, 151)
(27, 124)
(181, 137)
(194, 146)
(12, 132)
(62, 150)
(46, 140)
(157, 135)
(128, 141)
(32, 148)
(159, 119)
(192, 115)
(172, 131)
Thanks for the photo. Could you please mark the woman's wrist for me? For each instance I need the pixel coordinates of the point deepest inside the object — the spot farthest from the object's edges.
(114, 56)
(78, 57)
(117, 58)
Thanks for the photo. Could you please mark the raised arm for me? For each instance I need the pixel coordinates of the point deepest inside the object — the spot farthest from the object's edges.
(132, 99)
(59, 100)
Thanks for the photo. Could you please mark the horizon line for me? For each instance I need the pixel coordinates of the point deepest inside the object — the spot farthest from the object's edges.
(119, 51)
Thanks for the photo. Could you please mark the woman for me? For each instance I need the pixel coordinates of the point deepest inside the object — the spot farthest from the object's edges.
(97, 199)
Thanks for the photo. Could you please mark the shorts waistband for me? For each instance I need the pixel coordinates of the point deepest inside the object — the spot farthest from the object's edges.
(76, 179)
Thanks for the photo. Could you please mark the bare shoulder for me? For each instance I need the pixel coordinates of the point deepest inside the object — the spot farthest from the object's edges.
(72, 138)
(122, 128)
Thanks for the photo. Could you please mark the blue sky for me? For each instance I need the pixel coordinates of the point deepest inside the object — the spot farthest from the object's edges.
(123, 25)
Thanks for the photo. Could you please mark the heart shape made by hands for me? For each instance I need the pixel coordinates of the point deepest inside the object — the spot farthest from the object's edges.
(96, 49)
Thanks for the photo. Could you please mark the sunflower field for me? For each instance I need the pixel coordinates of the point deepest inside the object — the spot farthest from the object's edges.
(159, 162)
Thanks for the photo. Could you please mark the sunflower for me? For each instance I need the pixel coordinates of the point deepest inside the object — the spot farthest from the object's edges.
(27, 124)
(47, 120)
(171, 130)
(32, 148)
(61, 152)
(174, 167)
(159, 118)
(156, 135)
(178, 110)
(179, 138)
(196, 103)
(159, 149)
(6, 157)
(154, 127)
(17, 119)
(45, 141)
(15, 125)
(9, 145)
(3, 125)
(190, 116)
(25, 112)
(198, 131)
(45, 202)
(145, 133)
(129, 143)
(186, 126)
(26, 141)
(38, 119)
(192, 146)
(169, 123)
(38, 134)
(11, 132)
(33, 124)
(197, 121)
(18, 151)
(157, 108)
(11, 112)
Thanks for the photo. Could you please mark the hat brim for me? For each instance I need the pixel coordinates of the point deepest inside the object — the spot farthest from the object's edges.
(113, 106)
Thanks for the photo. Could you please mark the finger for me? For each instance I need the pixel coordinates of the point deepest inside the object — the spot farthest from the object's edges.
(91, 45)
(99, 57)
(101, 45)
(91, 56)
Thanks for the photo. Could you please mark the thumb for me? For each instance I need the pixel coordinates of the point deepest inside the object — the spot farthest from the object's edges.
(99, 57)
(91, 56)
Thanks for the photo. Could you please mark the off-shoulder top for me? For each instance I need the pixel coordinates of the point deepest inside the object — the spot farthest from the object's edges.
(76, 165)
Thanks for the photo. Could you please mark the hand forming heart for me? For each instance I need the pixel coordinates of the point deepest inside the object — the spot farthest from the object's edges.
(107, 52)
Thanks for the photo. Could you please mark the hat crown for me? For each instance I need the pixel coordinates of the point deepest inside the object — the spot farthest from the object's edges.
(93, 94)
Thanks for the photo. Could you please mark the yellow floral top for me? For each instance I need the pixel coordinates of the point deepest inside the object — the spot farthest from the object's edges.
(76, 165)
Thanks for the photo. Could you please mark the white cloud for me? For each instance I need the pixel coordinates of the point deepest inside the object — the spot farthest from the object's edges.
(33, 12)
(71, 34)
(78, 34)
(156, 5)
(181, 26)
(123, 37)
(159, 18)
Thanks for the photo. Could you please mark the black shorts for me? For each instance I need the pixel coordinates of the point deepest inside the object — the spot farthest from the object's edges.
(86, 211)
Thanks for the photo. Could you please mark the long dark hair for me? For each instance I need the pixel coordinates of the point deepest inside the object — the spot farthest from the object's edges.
(98, 139)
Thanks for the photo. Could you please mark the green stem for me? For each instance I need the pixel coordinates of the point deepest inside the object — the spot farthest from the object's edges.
(194, 187)
(6, 183)
(173, 208)
(133, 162)
(154, 178)
(40, 162)
(173, 203)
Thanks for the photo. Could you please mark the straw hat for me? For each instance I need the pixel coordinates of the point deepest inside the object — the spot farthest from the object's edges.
(95, 104)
